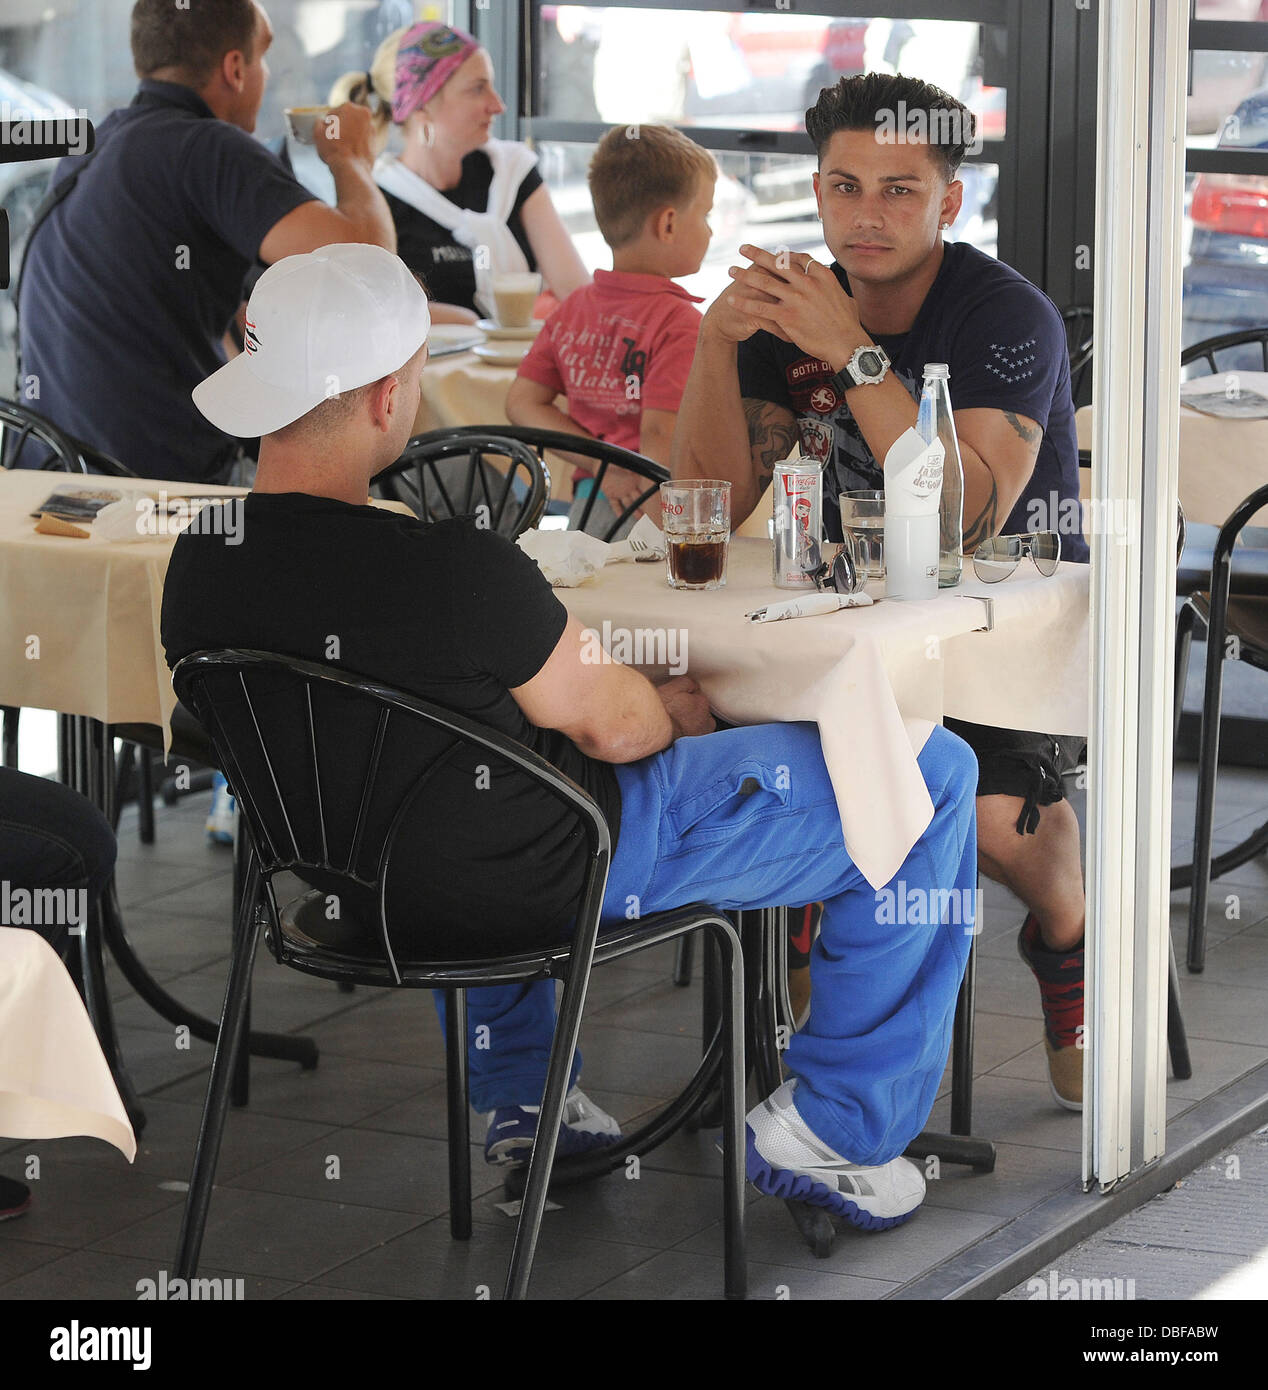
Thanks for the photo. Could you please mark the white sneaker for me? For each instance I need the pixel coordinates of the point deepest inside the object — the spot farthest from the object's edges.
(512, 1129)
(223, 816)
(785, 1159)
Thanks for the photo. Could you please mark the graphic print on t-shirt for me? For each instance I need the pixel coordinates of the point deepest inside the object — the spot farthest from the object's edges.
(827, 428)
(604, 367)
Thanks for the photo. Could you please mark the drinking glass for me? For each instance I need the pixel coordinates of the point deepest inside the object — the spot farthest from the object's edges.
(696, 520)
(863, 527)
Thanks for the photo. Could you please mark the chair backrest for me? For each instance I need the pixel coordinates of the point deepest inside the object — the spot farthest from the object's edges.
(485, 474)
(1078, 335)
(28, 440)
(328, 768)
(604, 455)
(1244, 350)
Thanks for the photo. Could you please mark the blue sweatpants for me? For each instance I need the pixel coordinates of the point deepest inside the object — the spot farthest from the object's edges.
(747, 818)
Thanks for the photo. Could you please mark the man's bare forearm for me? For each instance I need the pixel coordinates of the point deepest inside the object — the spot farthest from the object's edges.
(711, 437)
(361, 201)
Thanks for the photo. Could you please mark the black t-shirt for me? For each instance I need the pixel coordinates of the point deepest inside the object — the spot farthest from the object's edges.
(448, 612)
(133, 279)
(430, 249)
(1005, 345)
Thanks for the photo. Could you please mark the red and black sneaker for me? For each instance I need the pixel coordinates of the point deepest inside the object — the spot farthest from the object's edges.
(1060, 976)
(15, 1198)
(803, 927)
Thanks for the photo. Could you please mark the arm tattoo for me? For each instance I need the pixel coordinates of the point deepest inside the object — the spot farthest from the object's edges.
(984, 524)
(1032, 434)
(772, 433)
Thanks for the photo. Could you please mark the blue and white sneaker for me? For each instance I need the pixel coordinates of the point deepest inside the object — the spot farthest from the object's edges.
(785, 1159)
(513, 1128)
(223, 815)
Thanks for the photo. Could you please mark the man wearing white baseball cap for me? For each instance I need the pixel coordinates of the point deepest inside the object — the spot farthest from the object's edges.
(460, 616)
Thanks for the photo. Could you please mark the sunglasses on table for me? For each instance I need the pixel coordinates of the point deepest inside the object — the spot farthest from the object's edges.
(841, 576)
(998, 557)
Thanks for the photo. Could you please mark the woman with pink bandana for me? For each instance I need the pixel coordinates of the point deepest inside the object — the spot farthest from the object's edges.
(465, 206)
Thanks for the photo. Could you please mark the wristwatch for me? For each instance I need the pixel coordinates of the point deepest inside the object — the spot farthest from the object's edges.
(866, 368)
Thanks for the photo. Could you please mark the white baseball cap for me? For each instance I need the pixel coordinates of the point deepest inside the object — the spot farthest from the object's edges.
(317, 325)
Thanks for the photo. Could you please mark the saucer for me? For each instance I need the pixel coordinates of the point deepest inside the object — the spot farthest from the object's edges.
(493, 330)
(502, 354)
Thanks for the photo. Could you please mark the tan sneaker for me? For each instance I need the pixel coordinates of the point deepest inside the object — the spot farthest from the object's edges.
(1060, 976)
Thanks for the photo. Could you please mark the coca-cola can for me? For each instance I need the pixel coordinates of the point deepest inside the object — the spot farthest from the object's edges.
(797, 487)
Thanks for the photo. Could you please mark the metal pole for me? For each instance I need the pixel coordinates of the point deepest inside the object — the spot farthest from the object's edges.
(1135, 455)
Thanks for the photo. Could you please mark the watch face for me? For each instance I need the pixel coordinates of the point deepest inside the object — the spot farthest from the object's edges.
(869, 364)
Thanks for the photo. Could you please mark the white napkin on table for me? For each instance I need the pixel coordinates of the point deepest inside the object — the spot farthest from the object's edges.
(572, 558)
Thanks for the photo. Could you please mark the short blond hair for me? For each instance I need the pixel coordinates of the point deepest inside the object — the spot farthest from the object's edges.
(639, 169)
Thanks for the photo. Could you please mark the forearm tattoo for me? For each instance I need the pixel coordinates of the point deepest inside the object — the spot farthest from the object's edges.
(1032, 434)
(984, 525)
(772, 434)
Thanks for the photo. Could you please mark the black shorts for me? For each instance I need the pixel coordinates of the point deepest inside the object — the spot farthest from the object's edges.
(1017, 762)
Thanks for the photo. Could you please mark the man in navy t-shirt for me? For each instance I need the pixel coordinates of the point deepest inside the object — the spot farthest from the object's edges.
(132, 281)
(789, 357)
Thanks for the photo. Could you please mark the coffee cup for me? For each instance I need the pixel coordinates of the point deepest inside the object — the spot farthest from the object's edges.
(515, 297)
(300, 121)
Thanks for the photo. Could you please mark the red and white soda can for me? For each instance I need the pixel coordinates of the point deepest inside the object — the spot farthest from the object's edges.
(797, 488)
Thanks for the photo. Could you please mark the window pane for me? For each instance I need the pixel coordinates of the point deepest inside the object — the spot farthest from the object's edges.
(1232, 9)
(1221, 82)
(747, 71)
(763, 199)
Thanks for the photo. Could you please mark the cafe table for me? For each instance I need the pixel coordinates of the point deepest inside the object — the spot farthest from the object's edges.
(79, 634)
(875, 680)
(54, 1079)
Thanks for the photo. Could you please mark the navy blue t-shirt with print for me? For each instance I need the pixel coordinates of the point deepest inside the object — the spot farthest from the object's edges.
(133, 279)
(1005, 345)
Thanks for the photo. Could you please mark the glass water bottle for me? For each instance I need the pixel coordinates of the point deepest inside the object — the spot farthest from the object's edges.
(935, 421)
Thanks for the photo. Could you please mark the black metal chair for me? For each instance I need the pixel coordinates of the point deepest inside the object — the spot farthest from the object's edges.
(1236, 629)
(605, 455)
(1078, 334)
(1227, 343)
(24, 433)
(271, 719)
(508, 496)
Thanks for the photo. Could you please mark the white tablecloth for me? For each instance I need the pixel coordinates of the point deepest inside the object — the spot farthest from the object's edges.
(54, 1080)
(875, 680)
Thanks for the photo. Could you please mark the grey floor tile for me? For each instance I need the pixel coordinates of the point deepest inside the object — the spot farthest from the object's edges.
(18, 1257)
(643, 1206)
(166, 1148)
(660, 1008)
(1215, 1064)
(1022, 1178)
(639, 1063)
(896, 1255)
(428, 1263)
(313, 1293)
(171, 942)
(95, 1274)
(1237, 960)
(399, 1026)
(676, 1275)
(280, 1237)
(75, 1204)
(395, 1172)
(1017, 1112)
(338, 1091)
(1225, 1012)
(155, 1059)
(141, 882)
(999, 1038)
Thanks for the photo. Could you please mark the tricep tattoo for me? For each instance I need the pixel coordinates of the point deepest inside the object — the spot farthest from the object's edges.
(771, 436)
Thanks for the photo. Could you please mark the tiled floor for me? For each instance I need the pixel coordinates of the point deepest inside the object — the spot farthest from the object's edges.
(332, 1183)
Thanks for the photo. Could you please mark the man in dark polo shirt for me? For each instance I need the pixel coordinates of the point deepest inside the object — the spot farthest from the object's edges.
(790, 357)
(132, 281)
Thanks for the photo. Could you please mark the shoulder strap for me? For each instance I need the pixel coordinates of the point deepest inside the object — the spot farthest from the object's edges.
(56, 195)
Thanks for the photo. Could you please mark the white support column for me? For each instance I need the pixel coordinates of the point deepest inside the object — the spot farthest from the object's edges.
(1135, 447)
